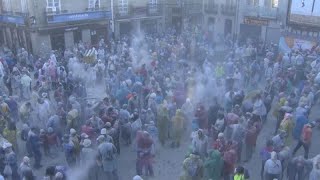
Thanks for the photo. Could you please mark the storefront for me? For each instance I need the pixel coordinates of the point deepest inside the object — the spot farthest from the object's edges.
(125, 28)
(64, 30)
(252, 28)
(62, 37)
(14, 32)
(149, 26)
(2, 35)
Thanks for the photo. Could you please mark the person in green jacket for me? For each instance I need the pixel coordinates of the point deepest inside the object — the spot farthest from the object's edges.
(213, 165)
(163, 122)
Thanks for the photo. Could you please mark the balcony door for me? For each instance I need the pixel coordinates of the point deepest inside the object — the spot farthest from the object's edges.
(123, 6)
(153, 6)
(94, 4)
(6, 5)
(53, 6)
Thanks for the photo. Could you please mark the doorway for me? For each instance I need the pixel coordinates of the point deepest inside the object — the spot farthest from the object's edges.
(77, 36)
(57, 41)
(177, 23)
(227, 27)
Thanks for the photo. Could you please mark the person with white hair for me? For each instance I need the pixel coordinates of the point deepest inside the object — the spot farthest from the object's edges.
(152, 104)
(107, 154)
(187, 110)
(25, 167)
(25, 85)
(315, 172)
(272, 167)
(200, 144)
(100, 71)
(10, 160)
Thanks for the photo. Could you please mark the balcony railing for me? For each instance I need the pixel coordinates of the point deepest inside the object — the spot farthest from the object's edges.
(211, 8)
(15, 13)
(49, 11)
(154, 9)
(228, 10)
(193, 8)
(176, 10)
(261, 12)
(123, 12)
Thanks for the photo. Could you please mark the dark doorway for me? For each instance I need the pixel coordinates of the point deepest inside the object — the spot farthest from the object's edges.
(149, 26)
(97, 35)
(1, 37)
(249, 31)
(211, 22)
(57, 41)
(177, 23)
(125, 28)
(77, 36)
(227, 27)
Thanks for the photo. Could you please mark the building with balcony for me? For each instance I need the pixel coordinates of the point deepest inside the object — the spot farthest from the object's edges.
(136, 16)
(173, 14)
(303, 24)
(262, 19)
(14, 23)
(56, 24)
(219, 18)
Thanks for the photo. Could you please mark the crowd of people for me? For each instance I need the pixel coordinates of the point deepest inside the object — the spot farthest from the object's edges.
(158, 90)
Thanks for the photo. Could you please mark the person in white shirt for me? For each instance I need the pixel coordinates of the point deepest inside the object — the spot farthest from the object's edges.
(272, 167)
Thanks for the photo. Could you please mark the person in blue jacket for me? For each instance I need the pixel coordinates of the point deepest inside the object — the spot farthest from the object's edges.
(300, 122)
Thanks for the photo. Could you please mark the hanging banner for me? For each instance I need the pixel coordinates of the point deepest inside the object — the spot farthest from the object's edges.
(12, 19)
(62, 18)
(287, 44)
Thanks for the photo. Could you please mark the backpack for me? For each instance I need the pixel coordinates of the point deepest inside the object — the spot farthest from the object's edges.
(192, 169)
(24, 135)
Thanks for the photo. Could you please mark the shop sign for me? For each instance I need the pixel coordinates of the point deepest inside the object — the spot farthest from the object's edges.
(12, 19)
(61, 18)
(254, 21)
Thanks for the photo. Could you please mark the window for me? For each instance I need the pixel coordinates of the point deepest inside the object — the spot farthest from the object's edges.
(153, 1)
(24, 6)
(6, 5)
(275, 3)
(94, 4)
(53, 5)
(153, 6)
(123, 6)
(253, 2)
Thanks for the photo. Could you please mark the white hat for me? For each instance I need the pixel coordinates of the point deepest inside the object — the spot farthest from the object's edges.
(7, 145)
(26, 159)
(137, 178)
(220, 135)
(84, 135)
(73, 131)
(153, 95)
(86, 142)
(103, 131)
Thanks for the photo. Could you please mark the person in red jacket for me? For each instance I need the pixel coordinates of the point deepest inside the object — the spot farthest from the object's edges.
(305, 140)
(250, 139)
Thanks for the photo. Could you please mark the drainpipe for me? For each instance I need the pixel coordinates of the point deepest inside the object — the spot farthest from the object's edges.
(112, 16)
(237, 25)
